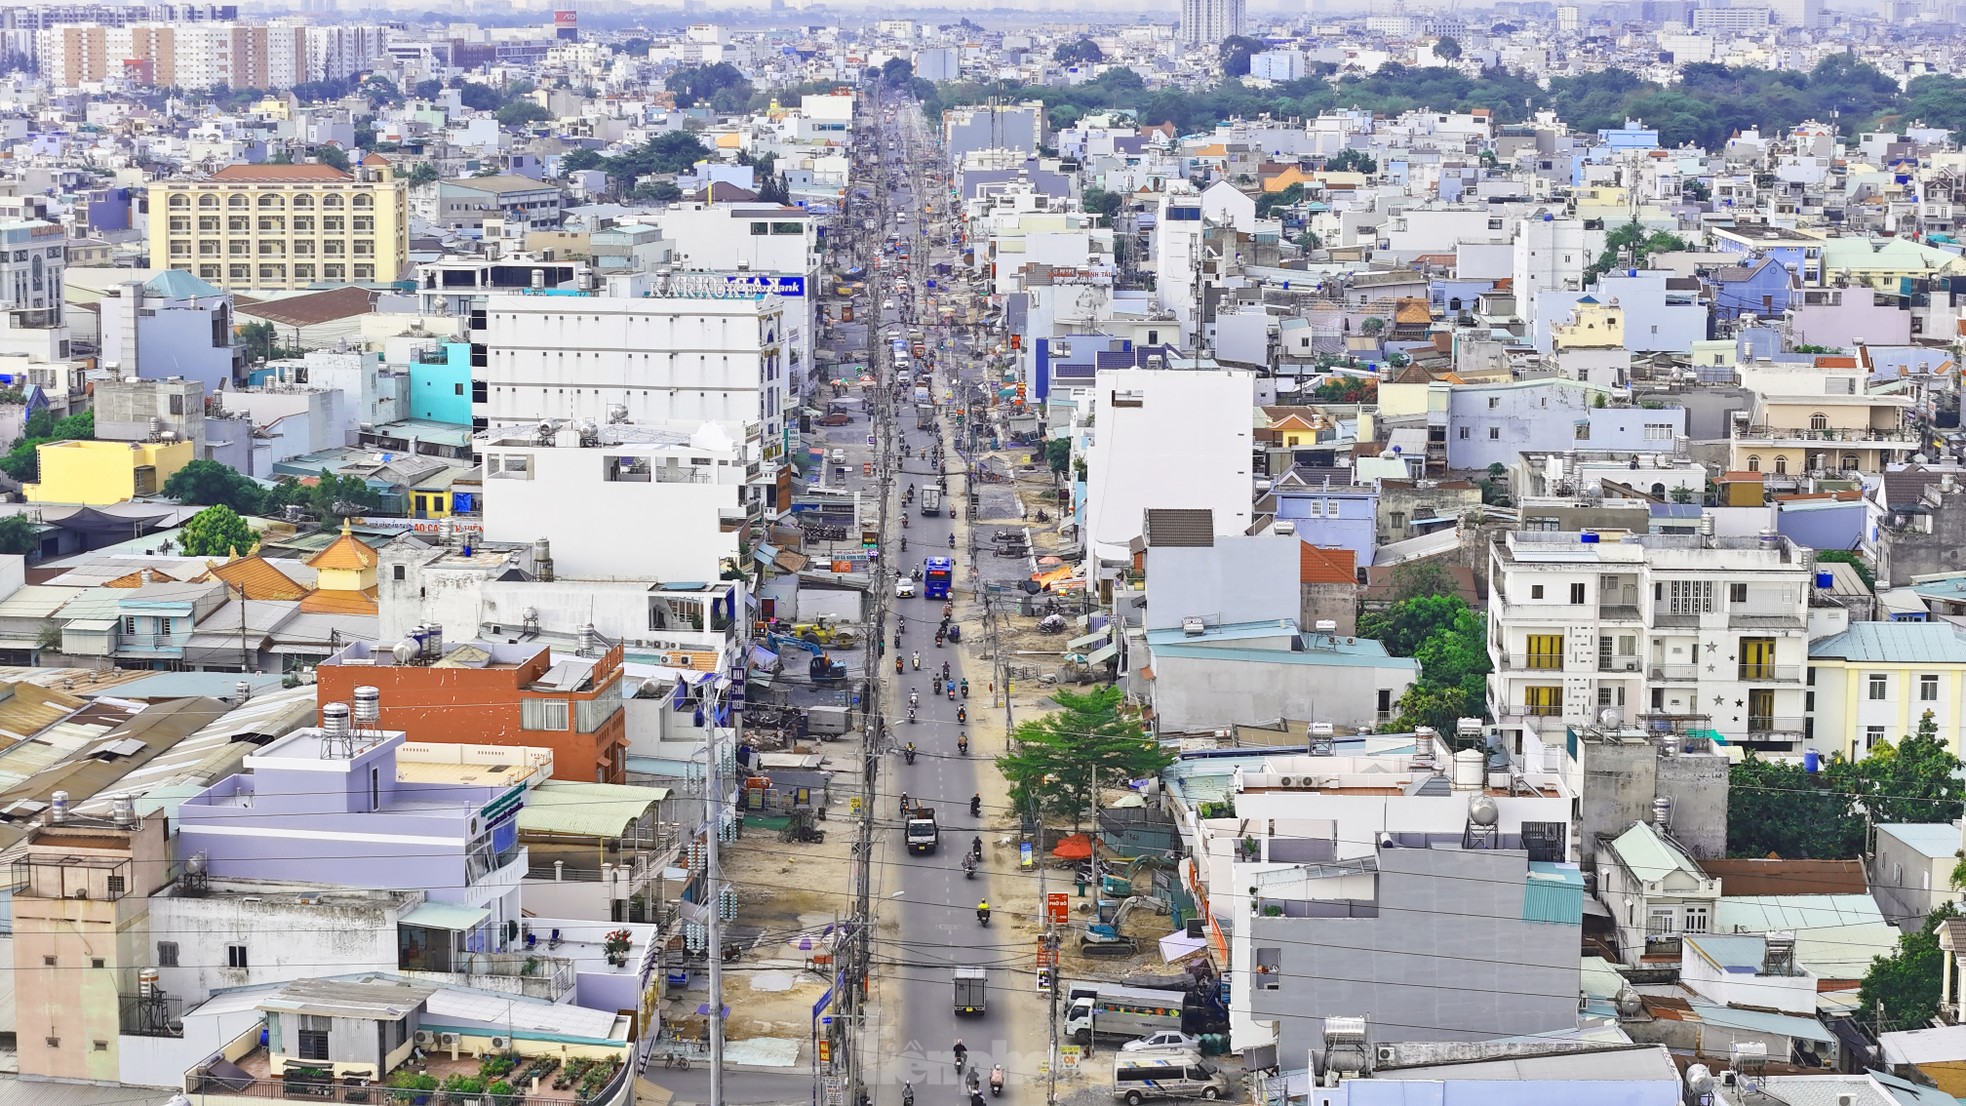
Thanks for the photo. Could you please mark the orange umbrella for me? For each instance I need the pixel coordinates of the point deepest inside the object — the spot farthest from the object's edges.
(1078, 846)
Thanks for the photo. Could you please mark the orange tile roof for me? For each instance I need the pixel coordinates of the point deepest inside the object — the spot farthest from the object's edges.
(340, 602)
(256, 578)
(280, 174)
(141, 577)
(346, 552)
(1412, 310)
(1832, 361)
(1317, 565)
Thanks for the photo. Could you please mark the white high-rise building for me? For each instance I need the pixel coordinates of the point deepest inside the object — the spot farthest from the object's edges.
(669, 358)
(1208, 22)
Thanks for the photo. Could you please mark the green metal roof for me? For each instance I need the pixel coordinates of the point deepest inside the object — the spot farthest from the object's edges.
(446, 915)
(569, 808)
(1900, 642)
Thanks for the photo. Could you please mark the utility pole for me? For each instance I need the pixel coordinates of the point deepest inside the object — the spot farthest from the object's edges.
(713, 796)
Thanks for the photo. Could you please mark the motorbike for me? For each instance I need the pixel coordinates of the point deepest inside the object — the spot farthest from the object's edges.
(911, 714)
(976, 850)
(962, 1054)
(908, 754)
(962, 745)
(940, 636)
(952, 541)
(983, 915)
(918, 662)
(914, 699)
(952, 693)
(975, 805)
(897, 661)
(969, 868)
(907, 1094)
(965, 689)
(962, 714)
(996, 1081)
(938, 686)
(955, 633)
(904, 545)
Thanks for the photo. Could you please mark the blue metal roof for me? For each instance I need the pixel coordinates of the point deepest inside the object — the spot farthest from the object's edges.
(1927, 642)
(1758, 1021)
(1929, 838)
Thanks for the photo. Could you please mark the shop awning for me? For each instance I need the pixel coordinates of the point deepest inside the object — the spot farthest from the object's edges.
(1079, 644)
(445, 915)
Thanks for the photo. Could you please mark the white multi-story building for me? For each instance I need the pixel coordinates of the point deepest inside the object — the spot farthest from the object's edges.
(1551, 252)
(1208, 22)
(1178, 232)
(1723, 22)
(670, 354)
(1689, 633)
(762, 245)
(620, 500)
(1165, 438)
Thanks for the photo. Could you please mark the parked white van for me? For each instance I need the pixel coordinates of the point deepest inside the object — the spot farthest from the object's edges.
(1137, 1078)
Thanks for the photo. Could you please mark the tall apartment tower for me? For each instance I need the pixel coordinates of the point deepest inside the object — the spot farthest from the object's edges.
(1208, 22)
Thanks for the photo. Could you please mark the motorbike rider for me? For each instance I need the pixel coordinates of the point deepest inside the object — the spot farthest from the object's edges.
(983, 911)
(976, 848)
(962, 1053)
(918, 662)
(976, 804)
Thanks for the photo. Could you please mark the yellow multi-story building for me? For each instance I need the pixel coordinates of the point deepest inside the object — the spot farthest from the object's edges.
(284, 227)
(103, 472)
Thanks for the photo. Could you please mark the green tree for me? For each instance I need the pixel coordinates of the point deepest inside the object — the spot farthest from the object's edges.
(897, 72)
(421, 173)
(1916, 780)
(1057, 758)
(1058, 455)
(1632, 244)
(574, 161)
(1351, 161)
(428, 90)
(669, 152)
(262, 342)
(19, 535)
(1447, 48)
(1682, 494)
(656, 191)
(1430, 623)
(1098, 201)
(1268, 202)
(1235, 52)
(210, 483)
(1902, 990)
(1779, 808)
(697, 84)
(519, 113)
(479, 97)
(332, 156)
(1083, 51)
(216, 532)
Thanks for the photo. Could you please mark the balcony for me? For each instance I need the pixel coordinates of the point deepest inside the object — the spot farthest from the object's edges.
(1620, 663)
(1677, 673)
(1770, 673)
(513, 973)
(1532, 662)
(1775, 727)
(149, 645)
(1796, 435)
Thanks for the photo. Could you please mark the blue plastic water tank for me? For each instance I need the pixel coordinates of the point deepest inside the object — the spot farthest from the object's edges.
(1812, 761)
(1588, 538)
(1825, 579)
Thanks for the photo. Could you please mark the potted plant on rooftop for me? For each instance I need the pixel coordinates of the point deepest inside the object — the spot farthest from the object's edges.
(411, 1088)
(616, 945)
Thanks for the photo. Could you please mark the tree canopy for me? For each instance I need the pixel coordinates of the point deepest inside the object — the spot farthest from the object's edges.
(1902, 990)
(211, 483)
(1083, 51)
(1780, 808)
(1430, 623)
(721, 85)
(23, 460)
(216, 532)
(1707, 106)
(1057, 758)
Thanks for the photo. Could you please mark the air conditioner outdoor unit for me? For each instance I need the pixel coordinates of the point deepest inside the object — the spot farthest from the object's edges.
(500, 1044)
(425, 1038)
(448, 1040)
(1385, 1054)
(1287, 781)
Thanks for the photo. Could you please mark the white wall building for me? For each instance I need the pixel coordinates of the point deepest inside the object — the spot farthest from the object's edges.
(1688, 633)
(619, 500)
(1165, 438)
(672, 361)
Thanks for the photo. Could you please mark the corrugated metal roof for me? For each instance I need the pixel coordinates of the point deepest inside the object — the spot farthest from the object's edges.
(1927, 642)
(575, 809)
(1760, 1021)
(1929, 838)
(1650, 857)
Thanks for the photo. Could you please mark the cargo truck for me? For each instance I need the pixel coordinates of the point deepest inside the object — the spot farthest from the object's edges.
(971, 987)
(1110, 1010)
(931, 500)
(922, 833)
(924, 415)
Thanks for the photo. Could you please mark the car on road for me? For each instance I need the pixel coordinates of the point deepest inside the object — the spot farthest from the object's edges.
(1167, 1040)
(887, 305)
(836, 418)
(904, 588)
